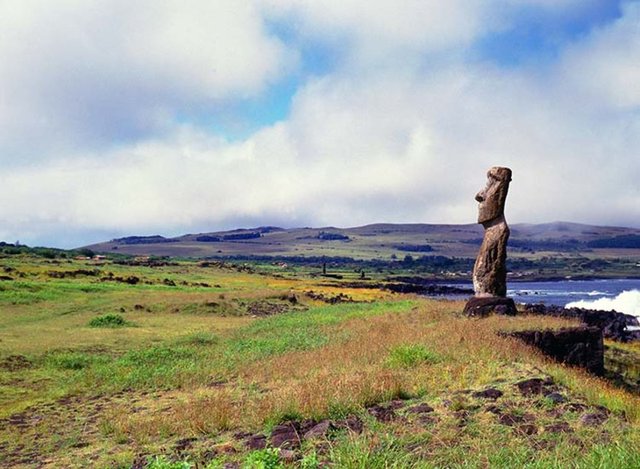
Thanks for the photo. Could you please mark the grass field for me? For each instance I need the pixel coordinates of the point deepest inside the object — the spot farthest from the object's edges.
(215, 365)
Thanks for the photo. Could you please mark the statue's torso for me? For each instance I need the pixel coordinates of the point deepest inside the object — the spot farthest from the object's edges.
(490, 273)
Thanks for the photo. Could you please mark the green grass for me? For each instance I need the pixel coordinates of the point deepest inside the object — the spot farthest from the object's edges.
(411, 355)
(71, 360)
(196, 367)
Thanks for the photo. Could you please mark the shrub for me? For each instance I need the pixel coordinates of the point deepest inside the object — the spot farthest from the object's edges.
(268, 458)
(108, 320)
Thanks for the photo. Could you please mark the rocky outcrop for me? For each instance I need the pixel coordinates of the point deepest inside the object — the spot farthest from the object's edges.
(613, 324)
(577, 346)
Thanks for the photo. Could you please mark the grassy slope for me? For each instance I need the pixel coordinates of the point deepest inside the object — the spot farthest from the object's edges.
(193, 363)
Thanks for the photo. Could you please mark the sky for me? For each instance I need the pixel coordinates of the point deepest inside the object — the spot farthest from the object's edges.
(185, 116)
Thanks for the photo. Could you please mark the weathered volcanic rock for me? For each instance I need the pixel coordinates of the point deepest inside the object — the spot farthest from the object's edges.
(578, 346)
(490, 393)
(318, 430)
(484, 306)
(286, 435)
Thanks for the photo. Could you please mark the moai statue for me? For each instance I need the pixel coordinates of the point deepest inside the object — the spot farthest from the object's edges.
(490, 270)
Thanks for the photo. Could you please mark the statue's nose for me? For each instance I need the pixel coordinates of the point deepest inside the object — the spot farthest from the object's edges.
(479, 197)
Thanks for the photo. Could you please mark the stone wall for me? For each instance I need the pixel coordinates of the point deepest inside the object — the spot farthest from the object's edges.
(577, 346)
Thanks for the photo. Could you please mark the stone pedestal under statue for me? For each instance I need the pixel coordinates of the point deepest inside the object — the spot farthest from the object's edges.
(490, 271)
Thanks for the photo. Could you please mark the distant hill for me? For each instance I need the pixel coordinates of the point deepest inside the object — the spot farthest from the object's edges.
(383, 240)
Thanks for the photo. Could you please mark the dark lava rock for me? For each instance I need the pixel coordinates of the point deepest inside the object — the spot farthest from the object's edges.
(424, 419)
(527, 429)
(258, 441)
(490, 393)
(396, 404)
(420, 409)
(183, 444)
(286, 435)
(559, 427)
(318, 430)
(494, 409)
(555, 397)
(484, 306)
(382, 414)
(351, 423)
(530, 387)
(576, 407)
(511, 419)
(594, 419)
(612, 323)
(578, 346)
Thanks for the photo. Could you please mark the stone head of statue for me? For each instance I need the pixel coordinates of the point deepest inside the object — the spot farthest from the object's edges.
(492, 198)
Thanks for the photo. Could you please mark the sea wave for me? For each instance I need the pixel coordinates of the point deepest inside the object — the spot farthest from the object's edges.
(626, 302)
(597, 293)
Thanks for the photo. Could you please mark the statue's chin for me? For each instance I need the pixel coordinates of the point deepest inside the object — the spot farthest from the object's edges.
(484, 219)
(490, 220)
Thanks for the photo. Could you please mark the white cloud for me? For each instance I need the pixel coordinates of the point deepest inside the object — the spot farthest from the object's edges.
(366, 32)
(406, 143)
(76, 72)
(605, 67)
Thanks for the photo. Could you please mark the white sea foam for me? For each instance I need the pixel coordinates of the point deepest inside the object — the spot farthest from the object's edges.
(597, 293)
(626, 302)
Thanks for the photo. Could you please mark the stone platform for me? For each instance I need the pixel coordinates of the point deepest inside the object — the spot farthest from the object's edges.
(484, 306)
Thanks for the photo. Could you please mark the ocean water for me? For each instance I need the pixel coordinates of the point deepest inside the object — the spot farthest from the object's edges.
(622, 295)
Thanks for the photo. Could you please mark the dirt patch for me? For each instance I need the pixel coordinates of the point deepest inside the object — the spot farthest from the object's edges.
(15, 363)
(267, 308)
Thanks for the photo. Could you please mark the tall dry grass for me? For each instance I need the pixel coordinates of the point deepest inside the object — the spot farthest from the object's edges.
(351, 374)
